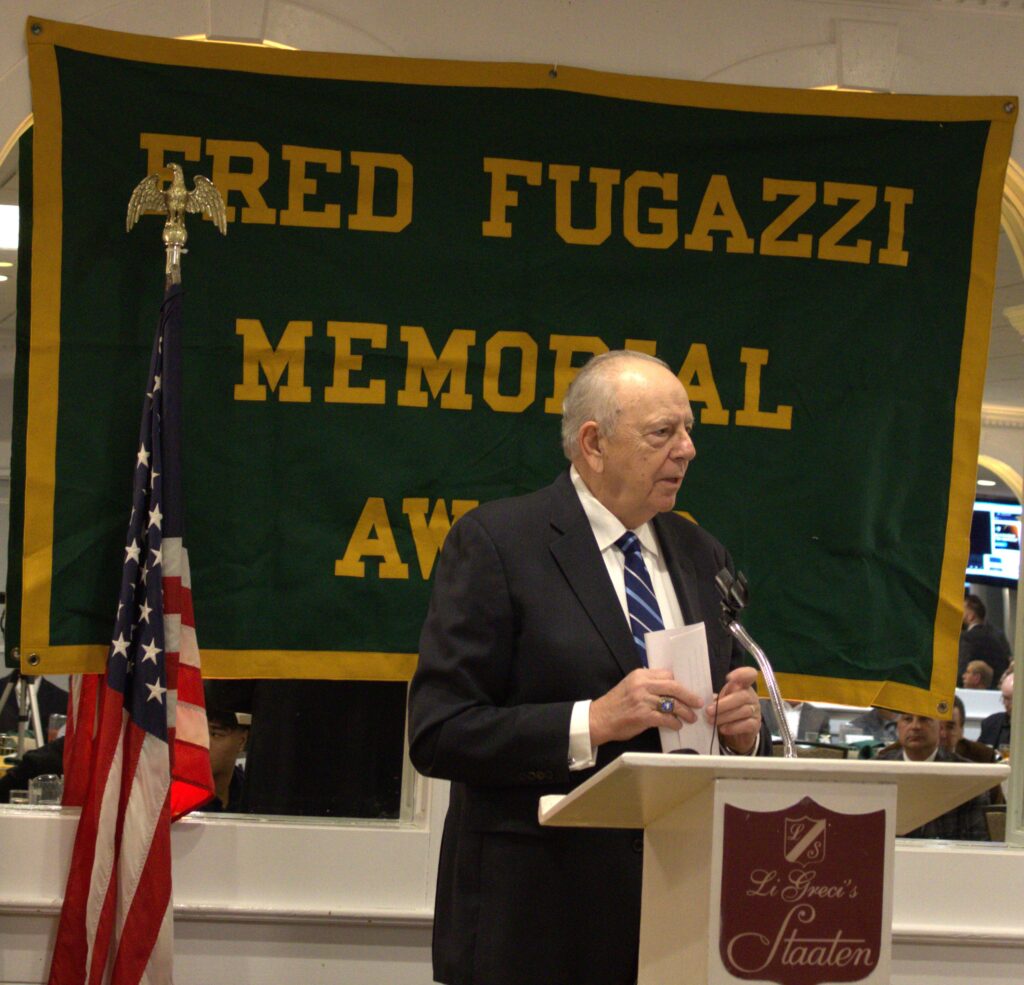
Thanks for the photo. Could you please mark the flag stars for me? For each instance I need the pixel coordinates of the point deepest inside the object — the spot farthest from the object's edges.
(131, 552)
(155, 517)
(144, 611)
(150, 650)
(119, 647)
(157, 558)
(156, 692)
(143, 456)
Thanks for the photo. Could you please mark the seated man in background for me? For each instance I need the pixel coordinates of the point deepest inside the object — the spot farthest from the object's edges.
(806, 721)
(995, 730)
(919, 743)
(229, 732)
(951, 738)
(977, 676)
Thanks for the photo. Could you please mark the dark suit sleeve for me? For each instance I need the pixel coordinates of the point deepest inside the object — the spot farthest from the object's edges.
(991, 728)
(46, 759)
(462, 725)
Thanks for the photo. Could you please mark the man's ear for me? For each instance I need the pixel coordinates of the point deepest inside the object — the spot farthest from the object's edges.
(592, 446)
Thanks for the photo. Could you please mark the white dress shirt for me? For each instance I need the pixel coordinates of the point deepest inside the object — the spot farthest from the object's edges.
(608, 529)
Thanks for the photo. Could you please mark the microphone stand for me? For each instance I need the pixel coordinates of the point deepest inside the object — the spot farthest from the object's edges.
(27, 702)
(734, 593)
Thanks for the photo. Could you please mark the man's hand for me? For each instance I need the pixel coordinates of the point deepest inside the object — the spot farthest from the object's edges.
(737, 711)
(632, 706)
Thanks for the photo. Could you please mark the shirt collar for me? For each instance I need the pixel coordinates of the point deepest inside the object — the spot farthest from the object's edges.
(930, 759)
(607, 527)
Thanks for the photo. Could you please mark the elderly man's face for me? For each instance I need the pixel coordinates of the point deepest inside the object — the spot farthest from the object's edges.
(918, 735)
(644, 459)
(1006, 690)
(951, 732)
(970, 679)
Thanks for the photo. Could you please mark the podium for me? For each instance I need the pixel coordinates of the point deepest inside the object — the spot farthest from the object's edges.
(766, 870)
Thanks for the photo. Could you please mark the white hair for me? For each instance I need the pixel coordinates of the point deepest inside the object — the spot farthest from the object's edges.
(592, 396)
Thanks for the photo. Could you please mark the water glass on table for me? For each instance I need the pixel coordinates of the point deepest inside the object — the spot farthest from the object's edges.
(45, 789)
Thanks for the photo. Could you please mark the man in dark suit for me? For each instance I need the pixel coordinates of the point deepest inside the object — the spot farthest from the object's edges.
(919, 743)
(951, 738)
(981, 641)
(995, 730)
(530, 679)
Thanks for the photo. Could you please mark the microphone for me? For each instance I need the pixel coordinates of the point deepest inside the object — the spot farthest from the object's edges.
(734, 592)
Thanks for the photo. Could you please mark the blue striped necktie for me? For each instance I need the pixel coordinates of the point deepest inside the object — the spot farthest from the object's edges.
(641, 603)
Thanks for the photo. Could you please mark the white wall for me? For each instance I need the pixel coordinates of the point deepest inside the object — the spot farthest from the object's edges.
(271, 901)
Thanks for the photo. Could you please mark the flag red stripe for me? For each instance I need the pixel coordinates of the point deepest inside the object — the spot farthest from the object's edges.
(145, 902)
(178, 600)
(108, 850)
(72, 945)
(190, 685)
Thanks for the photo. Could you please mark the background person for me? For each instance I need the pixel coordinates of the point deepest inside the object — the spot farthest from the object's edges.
(995, 730)
(977, 676)
(229, 733)
(919, 743)
(980, 641)
(951, 738)
(48, 758)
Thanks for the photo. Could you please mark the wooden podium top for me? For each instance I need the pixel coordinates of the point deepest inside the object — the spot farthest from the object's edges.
(639, 787)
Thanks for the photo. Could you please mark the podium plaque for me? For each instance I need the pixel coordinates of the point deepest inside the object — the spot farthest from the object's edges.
(766, 870)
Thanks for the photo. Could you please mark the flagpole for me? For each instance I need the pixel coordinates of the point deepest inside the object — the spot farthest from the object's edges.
(138, 754)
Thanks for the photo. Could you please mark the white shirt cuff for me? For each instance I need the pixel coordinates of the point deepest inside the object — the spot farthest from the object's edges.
(726, 751)
(581, 753)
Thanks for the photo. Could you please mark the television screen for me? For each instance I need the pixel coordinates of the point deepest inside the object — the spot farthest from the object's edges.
(995, 543)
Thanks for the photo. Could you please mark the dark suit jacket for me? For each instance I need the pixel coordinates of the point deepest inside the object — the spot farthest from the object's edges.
(995, 730)
(523, 622)
(984, 642)
(963, 823)
(978, 752)
(48, 758)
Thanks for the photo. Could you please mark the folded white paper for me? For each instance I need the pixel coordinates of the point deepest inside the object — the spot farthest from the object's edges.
(684, 651)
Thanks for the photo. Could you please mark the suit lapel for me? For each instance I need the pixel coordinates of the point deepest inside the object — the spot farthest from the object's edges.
(575, 551)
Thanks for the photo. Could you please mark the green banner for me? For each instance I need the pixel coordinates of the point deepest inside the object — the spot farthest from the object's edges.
(419, 257)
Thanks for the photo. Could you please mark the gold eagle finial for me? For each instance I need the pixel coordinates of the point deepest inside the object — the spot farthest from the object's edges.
(175, 201)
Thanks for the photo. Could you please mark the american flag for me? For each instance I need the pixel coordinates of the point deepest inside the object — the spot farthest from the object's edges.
(147, 762)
